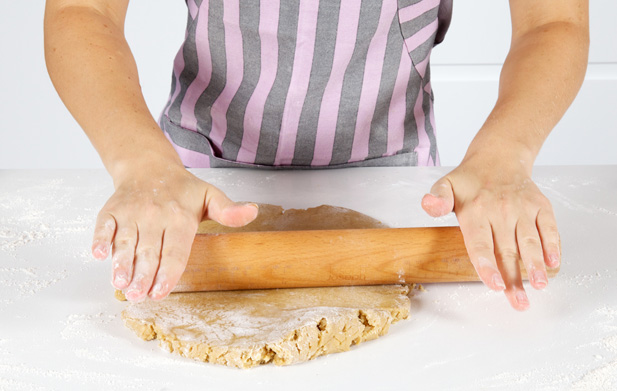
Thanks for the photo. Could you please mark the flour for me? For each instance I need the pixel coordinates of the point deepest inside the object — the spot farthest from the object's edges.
(30, 271)
(3, 350)
(11, 384)
(33, 220)
(569, 203)
(87, 327)
(102, 379)
(610, 343)
(102, 355)
(603, 377)
(11, 240)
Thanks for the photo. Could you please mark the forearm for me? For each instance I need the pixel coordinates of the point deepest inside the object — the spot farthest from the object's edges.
(539, 80)
(95, 74)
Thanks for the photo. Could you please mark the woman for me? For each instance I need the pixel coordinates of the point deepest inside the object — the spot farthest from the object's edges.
(309, 84)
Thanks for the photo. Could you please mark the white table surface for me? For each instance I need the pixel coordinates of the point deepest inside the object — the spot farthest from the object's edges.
(60, 327)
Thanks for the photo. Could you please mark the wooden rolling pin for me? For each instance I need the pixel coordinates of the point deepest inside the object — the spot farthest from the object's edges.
(286, 259)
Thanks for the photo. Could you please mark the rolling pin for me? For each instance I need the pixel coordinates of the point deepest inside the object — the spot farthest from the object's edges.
(319, 258)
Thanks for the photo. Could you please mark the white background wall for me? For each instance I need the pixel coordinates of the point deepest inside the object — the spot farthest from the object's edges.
(37, 131)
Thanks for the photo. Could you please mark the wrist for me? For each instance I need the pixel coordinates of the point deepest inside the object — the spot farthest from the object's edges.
(492, 149)
(143, 164)
(499, 162)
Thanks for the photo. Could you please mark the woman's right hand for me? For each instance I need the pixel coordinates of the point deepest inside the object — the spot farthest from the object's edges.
(151, 219)
(149, 224)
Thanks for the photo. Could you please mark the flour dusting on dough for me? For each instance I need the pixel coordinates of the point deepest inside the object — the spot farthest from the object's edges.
(283, 326)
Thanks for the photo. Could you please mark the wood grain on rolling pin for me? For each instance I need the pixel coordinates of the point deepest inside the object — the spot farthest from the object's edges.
(261, 260)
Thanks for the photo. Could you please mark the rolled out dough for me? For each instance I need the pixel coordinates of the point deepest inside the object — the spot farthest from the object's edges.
(283, 326)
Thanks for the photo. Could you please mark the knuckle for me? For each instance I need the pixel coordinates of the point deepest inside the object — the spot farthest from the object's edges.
(530, 241)
(101, 237)
(104, 220)
(121, 258)
(482, 246)
(184, 219)
(125, 232)
(147, 252)
(507, 207)
(553, 247)
(124, 243)
(480, 200)
(150, 209)
(508, 253)
(552, 231)
(539, 199)
(175, 207)
(174, 256)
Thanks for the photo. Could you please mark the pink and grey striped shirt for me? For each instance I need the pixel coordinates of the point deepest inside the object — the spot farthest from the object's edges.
(306, 83)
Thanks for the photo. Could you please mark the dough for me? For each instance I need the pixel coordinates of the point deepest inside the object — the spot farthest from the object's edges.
(275, 218)
(284, 326)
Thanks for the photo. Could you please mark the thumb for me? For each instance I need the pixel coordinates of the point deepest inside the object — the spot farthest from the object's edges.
(440, 201)
(220, 208)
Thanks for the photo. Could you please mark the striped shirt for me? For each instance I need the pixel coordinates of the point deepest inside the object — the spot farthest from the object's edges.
(306, 83)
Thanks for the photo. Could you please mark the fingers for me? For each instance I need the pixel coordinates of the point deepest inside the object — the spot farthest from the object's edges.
(104, 231)
(505, 219)
(494, 254)
(146, 264)
(479, 243)
(177, 242)
(150, 223)
(507, 255)
(530, 249)
(123, 256)
(549, 235)
(440, 201)
(226, 212)
(515, 293)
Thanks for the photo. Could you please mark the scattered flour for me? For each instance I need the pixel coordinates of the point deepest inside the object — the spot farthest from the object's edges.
(86, 327)
(102, 379)
(11, 240)
(601, 378)
(26, 282)
(33, 220)
(610, 343)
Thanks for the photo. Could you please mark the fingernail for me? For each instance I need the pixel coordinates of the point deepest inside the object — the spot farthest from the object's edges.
(554, 258)
(120, 280)
(539, 280)
(134, 291)
(157, 290)
(498, 282)
(521, 298)
(100, 251)
(133, 294)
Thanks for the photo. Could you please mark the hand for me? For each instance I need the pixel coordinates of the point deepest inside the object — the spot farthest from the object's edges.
(151, 221)
(503, 217)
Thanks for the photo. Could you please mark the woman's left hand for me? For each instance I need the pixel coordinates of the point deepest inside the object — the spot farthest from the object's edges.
(503, 217)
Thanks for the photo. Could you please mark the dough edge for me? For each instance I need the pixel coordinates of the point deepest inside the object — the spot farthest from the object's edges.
(336, 330)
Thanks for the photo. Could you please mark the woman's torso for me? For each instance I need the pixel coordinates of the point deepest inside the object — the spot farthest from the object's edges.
(305, 84)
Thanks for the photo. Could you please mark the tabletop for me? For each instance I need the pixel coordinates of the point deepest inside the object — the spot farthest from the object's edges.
(60, 327)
